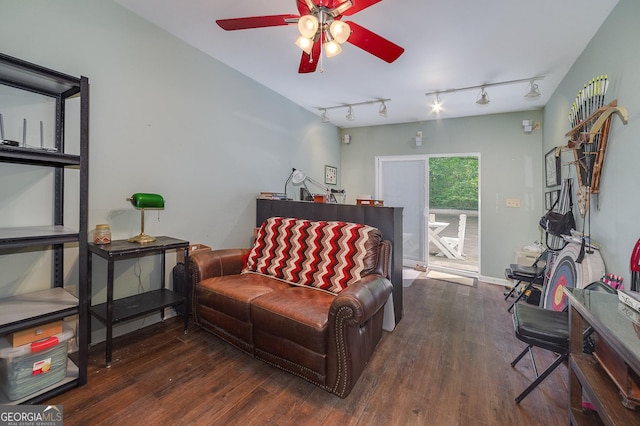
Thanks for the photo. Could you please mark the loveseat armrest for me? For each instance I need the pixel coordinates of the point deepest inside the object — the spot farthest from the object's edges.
(216, 263)
(362, 299)
(354, 328)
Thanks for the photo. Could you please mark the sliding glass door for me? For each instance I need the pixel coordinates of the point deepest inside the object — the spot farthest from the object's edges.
(403, 183)
(441, 208)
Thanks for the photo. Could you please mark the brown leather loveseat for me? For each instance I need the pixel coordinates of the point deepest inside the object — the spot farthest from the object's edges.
(307, 298)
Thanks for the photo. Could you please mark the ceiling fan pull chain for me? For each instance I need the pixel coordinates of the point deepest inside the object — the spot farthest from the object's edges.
(321, 40)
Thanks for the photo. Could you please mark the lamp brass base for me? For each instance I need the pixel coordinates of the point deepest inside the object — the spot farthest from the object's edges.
(142, 239)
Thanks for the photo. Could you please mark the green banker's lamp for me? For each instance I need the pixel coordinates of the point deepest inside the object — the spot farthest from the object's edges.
(144, 201)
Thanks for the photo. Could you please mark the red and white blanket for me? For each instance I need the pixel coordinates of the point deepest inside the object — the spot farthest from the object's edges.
(321, 254)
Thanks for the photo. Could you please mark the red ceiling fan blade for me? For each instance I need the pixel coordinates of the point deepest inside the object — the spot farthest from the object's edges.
(373, 43)
(303, 8)
(309, 63)
(358, 5)
(255, 22)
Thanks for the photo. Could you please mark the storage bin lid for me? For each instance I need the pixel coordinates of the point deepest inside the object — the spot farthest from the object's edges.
(8, 352)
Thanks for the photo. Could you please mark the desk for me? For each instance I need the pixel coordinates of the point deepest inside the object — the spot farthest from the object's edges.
(435, 228)
(600, 311)
(114, 311)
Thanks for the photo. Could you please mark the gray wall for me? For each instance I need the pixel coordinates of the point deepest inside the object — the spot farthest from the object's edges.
(510, 167)
(164, 118)
(614, 214)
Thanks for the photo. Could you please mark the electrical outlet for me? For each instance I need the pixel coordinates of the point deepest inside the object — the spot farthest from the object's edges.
(513, 203)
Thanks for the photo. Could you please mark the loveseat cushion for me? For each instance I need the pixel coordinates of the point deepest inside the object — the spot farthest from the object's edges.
(322, 254)
(233, 294)
(297, 314)
(223, 306)
(290, 330)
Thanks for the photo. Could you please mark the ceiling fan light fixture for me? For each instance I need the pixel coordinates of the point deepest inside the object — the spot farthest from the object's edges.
(308, 26)
(340, 31)
(383, 109)
(484, 98)
(533, 92)
(332, 48)
(304, 43)
(350, 114)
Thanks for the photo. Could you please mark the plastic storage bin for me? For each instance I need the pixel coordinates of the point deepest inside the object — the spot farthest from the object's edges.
(29, 368)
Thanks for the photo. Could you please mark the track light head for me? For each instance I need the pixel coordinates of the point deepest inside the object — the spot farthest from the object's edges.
(383, 109)
(325, 116)
(484, 98)
(533, 92)
(350, 114)
(437, 105)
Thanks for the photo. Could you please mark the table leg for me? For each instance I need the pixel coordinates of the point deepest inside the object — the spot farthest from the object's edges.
(89, 268)
(162, 279)
(186, 309)
(109, 322)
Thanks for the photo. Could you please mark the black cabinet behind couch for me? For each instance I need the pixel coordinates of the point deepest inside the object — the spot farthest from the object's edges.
(387, 219)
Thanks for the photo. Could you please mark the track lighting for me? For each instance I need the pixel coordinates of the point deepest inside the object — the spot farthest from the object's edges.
(484, 98)
(382, 111)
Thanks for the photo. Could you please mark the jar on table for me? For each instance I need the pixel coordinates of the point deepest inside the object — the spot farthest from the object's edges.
(102, 234)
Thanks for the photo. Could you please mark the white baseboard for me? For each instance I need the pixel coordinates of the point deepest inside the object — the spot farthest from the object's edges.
(496, 281)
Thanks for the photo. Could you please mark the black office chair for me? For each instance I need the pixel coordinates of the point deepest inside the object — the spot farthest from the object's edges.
(532, 275)
(548, 330)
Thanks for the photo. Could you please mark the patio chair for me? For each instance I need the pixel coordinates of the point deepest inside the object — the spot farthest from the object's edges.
(456, 244)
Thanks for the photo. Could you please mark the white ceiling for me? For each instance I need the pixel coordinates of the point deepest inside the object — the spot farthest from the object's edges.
(448, 44)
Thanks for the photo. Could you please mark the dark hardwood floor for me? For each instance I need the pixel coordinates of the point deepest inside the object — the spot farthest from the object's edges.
(447, 363)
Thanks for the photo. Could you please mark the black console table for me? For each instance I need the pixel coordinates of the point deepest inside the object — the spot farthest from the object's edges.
(387, 219)
(114, 311)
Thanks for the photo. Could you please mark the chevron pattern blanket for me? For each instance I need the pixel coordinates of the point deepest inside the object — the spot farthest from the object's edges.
(325, 255)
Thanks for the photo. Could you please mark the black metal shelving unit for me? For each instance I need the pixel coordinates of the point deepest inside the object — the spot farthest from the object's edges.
(40, 307)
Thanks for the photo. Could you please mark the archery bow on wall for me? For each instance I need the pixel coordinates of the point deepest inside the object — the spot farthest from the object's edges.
(588, 140)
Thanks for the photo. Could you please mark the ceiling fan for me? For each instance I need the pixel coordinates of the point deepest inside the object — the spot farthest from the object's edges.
(321, 25)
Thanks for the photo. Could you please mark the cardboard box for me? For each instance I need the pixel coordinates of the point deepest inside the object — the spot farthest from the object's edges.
(193, 249)
(32, 334)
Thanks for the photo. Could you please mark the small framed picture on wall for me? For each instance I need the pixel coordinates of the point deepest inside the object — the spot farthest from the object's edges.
(552, 168)
(550, 198)
(330, 175)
